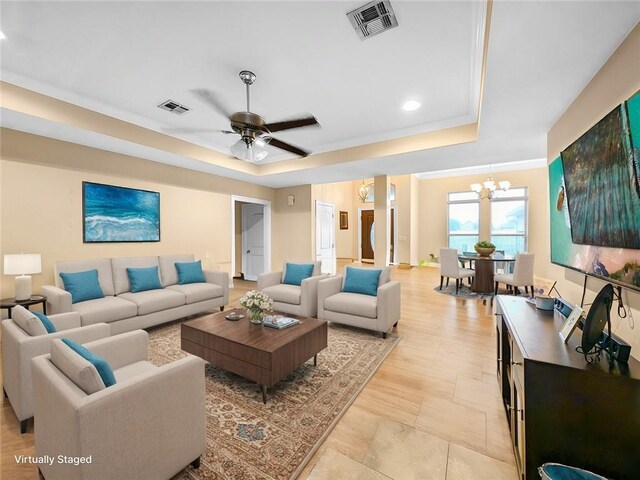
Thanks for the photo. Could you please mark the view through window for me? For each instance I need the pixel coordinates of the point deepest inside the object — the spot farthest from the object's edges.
(509, 220)
(464, 220)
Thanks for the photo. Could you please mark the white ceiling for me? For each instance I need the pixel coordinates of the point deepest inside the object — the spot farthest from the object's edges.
(124, 58)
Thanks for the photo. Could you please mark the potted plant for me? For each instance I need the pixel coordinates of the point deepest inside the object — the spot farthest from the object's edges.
(255, 303)
(484, 248)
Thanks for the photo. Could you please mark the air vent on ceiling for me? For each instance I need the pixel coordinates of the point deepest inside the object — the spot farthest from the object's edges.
(373, 18)
(174, 107)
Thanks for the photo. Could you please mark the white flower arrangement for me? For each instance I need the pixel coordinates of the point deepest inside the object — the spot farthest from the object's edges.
(255, 300)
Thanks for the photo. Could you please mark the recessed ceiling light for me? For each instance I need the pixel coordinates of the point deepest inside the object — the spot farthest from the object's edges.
(410, 105)
(2, 36)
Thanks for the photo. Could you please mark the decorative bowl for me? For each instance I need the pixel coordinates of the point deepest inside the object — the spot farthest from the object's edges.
(484, 252)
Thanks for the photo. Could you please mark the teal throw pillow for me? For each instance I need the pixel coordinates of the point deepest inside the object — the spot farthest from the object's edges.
(82, 285)
(295, 273)
(103, 368)
(142, 279)
(190, 272)
(362, 280)
(45, 322)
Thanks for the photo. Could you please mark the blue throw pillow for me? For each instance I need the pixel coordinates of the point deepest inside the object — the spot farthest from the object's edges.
(362, 280)
(142, 279)
(190, 272)
(296, 272)
(82, 285)
(104, 369)
(45, 322)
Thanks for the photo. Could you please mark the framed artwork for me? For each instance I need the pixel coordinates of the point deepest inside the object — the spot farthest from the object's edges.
(119, 214)
(344, 220)
(570, 323)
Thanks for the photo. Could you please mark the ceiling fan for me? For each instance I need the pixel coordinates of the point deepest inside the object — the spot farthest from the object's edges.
(254, 131)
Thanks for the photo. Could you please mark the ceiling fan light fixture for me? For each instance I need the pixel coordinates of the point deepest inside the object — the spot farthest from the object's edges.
(251, 151)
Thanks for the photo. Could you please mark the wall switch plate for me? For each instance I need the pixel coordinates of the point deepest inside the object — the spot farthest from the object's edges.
(291, 200)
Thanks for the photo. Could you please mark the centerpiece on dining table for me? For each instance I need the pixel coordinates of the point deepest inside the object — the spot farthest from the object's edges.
(256, 303)
(484, 248)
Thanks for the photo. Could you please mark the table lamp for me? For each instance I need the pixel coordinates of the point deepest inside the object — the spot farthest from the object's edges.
(22, 264)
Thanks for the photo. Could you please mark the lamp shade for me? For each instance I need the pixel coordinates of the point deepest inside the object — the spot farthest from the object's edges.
(22, 263)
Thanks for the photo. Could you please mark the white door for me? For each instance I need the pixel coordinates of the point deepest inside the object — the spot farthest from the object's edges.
(325, 236)
(252, 240)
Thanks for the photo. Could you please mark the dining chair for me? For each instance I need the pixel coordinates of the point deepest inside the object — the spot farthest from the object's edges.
(450, 268)
(522, 275)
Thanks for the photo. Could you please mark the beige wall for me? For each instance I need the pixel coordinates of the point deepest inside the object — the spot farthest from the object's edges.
(293, 237)
(432, 217)
(617, 80)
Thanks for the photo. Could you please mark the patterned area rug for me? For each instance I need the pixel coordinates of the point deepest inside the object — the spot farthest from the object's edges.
(466, 292)
(249, 440)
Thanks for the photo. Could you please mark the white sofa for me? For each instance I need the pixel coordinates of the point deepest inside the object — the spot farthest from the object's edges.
(297, 300)
(378, 313)
(125, 311)
(149, 425)
(18, 348)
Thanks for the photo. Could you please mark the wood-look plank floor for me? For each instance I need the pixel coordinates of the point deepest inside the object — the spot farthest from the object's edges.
(437, 388)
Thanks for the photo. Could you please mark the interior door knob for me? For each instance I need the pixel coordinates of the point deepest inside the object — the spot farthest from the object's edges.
(248, 251)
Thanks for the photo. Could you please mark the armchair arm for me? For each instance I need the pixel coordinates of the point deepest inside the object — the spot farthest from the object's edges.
(221, 278)
(388, 305)
(269, 279)
(123, 349)
(58, 300)
(327, 287)
(66, 321)
(309, 295)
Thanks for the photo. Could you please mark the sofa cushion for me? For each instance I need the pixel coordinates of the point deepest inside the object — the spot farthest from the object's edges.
(48, 325)
(102, 366)
(284, 293)
(190, 272)
(362, 280)
(317, 267)
(198, 292)
(295, 273)
(151, 301)
(121, 280)
(27, 321)
(168, 272)
(82, 285)
(77, 369)
(352, 304)
(103, 265)
(133, 370)
(107, 309)
(385, 275)
(143, 279)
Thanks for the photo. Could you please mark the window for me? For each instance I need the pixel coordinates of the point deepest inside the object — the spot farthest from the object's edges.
(509, 227)
(371, 196)
(464, 220)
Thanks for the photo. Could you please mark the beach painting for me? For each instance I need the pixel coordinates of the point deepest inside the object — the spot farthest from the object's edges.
(119, 214)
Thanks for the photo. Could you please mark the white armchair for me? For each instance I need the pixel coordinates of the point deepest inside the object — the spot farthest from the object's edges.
(378, 313)
(297, 300)
(149, 425)
(18, 348)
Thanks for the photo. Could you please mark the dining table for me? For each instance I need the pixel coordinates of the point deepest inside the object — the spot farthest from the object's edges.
(484, 267)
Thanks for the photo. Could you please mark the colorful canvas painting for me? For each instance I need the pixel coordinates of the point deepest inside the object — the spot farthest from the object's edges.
(606, 219)
(119, 214)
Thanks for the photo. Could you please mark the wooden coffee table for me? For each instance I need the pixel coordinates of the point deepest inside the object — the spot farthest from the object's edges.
(262, 354)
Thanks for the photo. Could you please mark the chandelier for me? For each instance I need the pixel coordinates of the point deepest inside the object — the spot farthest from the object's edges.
(363, 192)
(488, 188)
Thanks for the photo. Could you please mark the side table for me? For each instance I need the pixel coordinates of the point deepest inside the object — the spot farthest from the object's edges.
(9, 303)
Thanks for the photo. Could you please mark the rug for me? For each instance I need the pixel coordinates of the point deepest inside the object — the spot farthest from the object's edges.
(466, 292)
(247, 439)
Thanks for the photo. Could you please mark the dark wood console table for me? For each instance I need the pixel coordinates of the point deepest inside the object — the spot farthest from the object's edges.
(559, 408)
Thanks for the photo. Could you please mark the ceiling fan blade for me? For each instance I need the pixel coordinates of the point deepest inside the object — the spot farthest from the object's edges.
(195, 130)
(274, 142)
(294, 123)
(211, 99)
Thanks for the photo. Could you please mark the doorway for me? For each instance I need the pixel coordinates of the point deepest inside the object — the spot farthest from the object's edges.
(250, 237)
(325, 237)
(366, 228)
